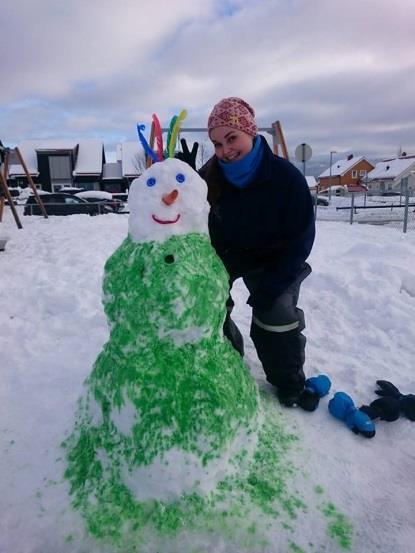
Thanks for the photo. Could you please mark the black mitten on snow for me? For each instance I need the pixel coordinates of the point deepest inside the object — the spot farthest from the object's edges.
(384, 408)
(406, 402)
(408, 406)
(186, 155)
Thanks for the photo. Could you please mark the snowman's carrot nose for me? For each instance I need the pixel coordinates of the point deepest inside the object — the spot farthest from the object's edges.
(169, 199)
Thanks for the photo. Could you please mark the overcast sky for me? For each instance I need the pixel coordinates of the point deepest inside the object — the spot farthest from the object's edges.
(339, 75)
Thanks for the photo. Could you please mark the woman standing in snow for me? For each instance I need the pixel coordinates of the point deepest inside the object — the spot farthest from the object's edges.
(261, 224)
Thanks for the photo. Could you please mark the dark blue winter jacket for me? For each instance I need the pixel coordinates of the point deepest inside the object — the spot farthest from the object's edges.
(267, 226)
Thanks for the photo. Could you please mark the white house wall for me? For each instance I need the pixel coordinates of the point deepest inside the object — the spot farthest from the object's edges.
(391, 173)
(392, 185)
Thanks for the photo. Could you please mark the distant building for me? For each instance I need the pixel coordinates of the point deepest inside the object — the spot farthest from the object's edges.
(130, 163)
(131, 156)
(54, 164)
(57, 164)
(312, 183)
(392, 176)
(349, 172)
(112, 178)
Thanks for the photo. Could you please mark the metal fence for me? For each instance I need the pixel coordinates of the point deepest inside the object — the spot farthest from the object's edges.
(54, 208)
(394, 211)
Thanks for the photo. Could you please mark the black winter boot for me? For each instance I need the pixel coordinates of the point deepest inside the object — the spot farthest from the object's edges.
(306, 399)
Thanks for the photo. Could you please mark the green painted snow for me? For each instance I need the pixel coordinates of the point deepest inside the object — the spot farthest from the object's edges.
(176, 393)
(242, 509)
(294, 548)
(339, 527)
(167, 379)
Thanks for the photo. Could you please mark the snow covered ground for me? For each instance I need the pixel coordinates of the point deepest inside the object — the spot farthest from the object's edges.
(360, 313)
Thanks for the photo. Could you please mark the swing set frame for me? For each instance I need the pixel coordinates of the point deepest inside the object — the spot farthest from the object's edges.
(279, 146)
(4, 173)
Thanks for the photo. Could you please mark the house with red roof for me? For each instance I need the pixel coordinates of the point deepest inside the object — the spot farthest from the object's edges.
(350, 172)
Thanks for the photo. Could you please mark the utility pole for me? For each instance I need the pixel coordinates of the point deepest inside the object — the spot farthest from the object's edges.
(331, 161)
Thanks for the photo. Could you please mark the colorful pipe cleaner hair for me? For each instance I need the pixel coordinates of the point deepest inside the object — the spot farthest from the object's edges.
(173, 132)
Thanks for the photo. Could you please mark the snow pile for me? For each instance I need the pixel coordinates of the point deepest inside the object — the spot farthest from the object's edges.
(94, 194)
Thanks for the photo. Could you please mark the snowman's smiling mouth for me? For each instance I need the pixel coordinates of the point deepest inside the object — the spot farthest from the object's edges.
(164, 221)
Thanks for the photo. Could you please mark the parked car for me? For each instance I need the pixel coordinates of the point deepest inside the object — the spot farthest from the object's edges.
(335, 190)
(70, 190)
(320, 200)
(26, 193)
(101, 197)
(62, 204)
(122, 196)
(14, 193)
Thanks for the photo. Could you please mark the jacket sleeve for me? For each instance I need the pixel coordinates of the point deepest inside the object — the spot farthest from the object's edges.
(299, 233)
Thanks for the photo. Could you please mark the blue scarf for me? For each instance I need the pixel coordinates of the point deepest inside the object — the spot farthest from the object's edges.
(241, 172)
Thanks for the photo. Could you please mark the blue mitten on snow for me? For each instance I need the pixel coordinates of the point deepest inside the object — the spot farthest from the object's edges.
(341, 406)
(315, 387)
(319, 384)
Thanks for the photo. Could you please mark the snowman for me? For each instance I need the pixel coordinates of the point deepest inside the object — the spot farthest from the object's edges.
(169, 402)
(172, 444)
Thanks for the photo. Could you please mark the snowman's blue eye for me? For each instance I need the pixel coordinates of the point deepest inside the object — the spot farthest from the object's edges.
(151, 181)
(180, 177)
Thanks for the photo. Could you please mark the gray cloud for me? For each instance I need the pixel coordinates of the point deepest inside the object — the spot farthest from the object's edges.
(337, 75)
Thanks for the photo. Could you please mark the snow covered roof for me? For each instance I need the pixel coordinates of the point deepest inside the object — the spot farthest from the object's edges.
(132, 156)
(89, 158)
(341, 167)
(28, 150)
(111, 171)
(311, 181)
(392, 168)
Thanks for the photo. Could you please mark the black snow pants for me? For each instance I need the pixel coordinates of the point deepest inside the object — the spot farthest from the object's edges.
(276, 334)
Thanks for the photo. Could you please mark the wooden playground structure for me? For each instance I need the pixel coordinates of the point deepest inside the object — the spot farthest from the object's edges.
(4, 189)
(279, 145)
